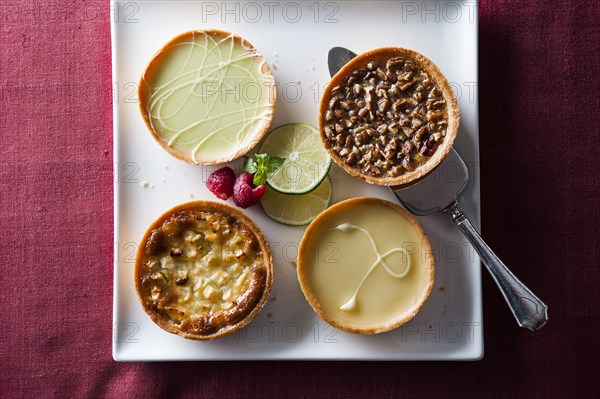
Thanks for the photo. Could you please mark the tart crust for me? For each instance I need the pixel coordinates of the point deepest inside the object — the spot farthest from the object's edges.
(428, 263)
(383, 55)
(162, 293)
(143, 95)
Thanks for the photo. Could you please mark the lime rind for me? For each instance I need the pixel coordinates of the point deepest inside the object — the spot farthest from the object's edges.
(306, 160)
(297, 210)
(309, 189)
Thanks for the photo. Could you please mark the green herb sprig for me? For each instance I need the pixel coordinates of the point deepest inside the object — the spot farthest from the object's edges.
(262, 166)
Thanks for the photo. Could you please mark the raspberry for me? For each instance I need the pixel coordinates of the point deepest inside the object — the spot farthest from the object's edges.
(245, 193)
(220, 182)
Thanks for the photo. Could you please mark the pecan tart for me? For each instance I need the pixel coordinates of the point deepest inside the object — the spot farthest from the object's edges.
(203, 270)
(389, 116)
(365, 265)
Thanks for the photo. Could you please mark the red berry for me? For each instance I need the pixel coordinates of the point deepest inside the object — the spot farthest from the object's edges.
(220, 182)
(245, 193)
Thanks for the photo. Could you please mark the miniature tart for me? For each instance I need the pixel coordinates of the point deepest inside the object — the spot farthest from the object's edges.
(365, 265)
(203, 270)
(207, 97)
(389, 116)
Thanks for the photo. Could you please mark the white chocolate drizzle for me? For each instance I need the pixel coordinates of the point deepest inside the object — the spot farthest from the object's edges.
(191, 80)
(380, 259)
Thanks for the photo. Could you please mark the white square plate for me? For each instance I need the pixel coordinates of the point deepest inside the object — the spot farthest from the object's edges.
(295, 36)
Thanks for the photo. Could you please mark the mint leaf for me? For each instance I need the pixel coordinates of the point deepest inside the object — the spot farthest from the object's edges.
(259, 177)
(250, 165)
(262, 166)
(262, 159)
(262, 163)
(274, 164)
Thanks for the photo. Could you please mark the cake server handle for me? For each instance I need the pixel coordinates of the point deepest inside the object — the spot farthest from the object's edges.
(528, 309)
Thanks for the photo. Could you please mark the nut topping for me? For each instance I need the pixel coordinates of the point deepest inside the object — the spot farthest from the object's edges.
(386, 118)
(175, 252)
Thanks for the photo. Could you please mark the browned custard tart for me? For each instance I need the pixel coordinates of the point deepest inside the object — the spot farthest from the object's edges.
(389, 116)
(203, 270)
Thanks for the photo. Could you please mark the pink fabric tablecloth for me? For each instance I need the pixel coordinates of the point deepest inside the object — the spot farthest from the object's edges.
(540, 160)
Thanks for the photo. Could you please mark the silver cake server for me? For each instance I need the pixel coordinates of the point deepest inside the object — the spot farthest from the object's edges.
(440, 193)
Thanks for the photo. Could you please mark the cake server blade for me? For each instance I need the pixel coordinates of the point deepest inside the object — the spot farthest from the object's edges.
(440, 192)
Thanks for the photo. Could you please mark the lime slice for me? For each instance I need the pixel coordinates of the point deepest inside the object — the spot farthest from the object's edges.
(297, 210)
(306, 160)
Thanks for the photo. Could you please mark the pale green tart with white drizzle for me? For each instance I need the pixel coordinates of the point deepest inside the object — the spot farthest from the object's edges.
(207, 97)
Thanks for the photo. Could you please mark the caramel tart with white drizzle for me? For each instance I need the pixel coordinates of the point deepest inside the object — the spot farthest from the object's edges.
(365, 265)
